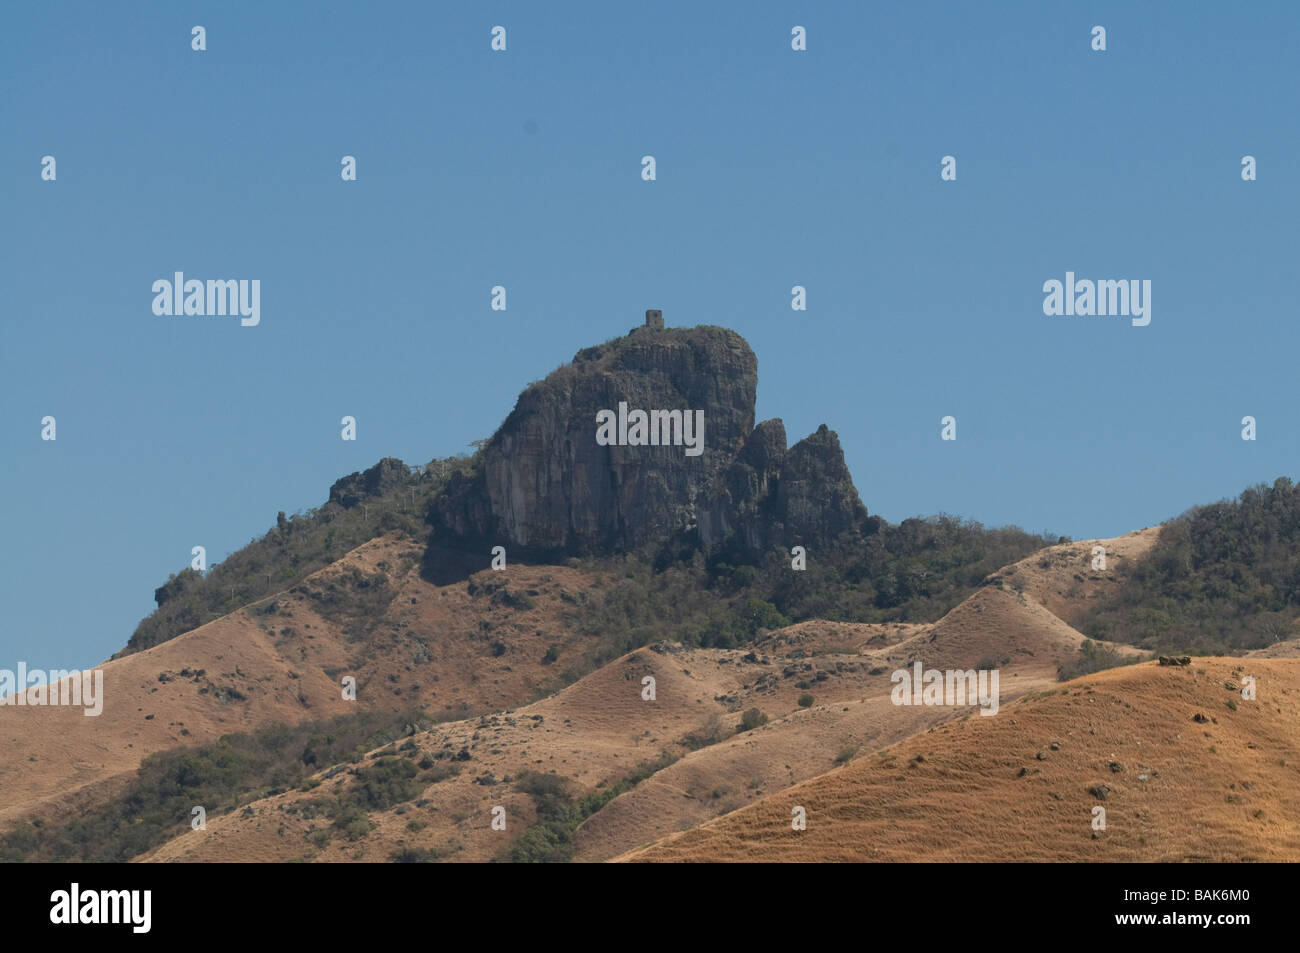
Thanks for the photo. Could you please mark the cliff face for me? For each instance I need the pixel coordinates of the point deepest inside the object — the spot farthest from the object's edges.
(771, 496)
(547, 485)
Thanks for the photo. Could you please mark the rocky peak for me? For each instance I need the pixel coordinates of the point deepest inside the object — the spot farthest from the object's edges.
(548, 484)
(358, 487)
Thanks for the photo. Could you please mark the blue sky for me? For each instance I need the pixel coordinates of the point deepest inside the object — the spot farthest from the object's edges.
(522, 168)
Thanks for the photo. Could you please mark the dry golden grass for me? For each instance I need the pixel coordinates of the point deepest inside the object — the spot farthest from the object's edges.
(1061, 578)
(923, 783)
(599, 730)
(998, 626)
(976, 790)
(595, 732)
(287, 666)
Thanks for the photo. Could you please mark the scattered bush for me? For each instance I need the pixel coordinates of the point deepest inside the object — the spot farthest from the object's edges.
(1091, 658)
(709, 733)
(418, 855)
(223, 776)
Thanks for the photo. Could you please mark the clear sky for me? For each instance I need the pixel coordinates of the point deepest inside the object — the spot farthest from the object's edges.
(523, 168)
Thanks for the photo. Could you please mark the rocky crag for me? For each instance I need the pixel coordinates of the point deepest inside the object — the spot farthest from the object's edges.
(545, 486)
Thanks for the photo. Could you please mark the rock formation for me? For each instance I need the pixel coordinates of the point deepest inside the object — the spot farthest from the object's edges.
(545, 485)
(356, 488)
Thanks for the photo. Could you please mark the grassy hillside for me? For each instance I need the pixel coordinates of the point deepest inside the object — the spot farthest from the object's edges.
(596, 769)
(915, 571)
(1184, 768)
(221, 777)
(362, 506)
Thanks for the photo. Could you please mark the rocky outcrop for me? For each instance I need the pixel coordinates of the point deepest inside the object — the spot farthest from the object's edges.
(771, 496)
(386, 475)
(544, 484)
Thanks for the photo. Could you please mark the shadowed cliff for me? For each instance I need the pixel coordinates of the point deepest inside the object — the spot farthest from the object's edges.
(546, 487)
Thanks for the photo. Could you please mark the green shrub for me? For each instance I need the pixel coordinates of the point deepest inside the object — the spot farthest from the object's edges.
(550, 840)
(353, 822)
(417, 855)
(386, 782)
(1091, 658)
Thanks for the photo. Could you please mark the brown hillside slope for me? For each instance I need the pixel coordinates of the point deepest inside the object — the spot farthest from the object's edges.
(990, 629)
(714, 780)
(1021, 785)
(1061, 578)
(594, 733)
(450, 650)
(998, 627)
(599, 730)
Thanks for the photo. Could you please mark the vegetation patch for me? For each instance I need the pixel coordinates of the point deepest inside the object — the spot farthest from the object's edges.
(221, 777)
(1091, 658)
(1220, 579)
(560, 813)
